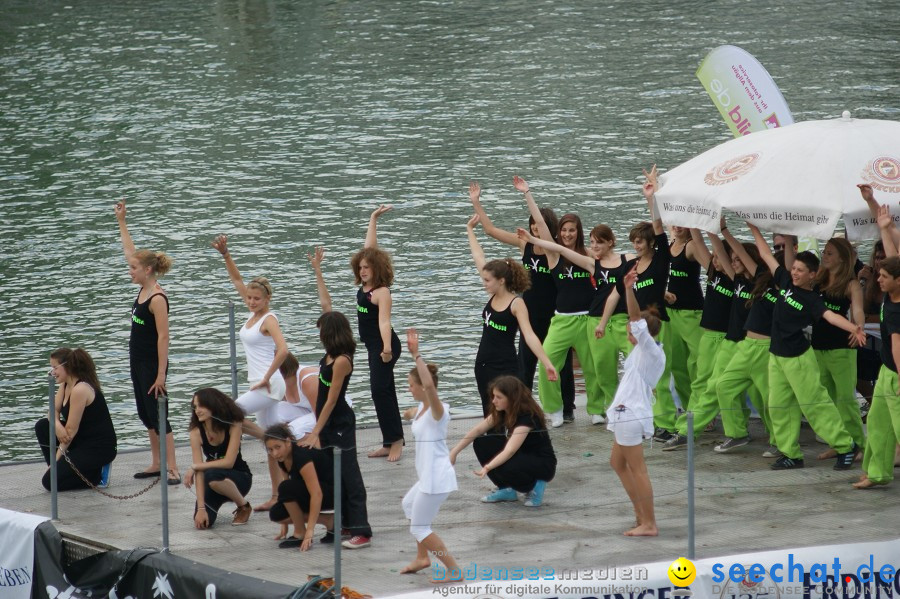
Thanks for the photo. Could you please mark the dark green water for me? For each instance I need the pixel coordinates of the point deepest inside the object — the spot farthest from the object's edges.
(283, 123)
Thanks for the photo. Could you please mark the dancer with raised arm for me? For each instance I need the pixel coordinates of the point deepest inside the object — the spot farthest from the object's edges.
(219, 470)
(540, 297)
(631, 415)
(571, 326)
(84, 429)
(437, 478)
(501, 319)
(795, 388)
(512, 445)
(607, 267)
(265, 349)
(148, 346)
(335, 420)
(374, 274)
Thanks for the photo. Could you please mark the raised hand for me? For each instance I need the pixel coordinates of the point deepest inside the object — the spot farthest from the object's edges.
(631, 277)
(221, 244)
(473, 222)
(474, 191)
(120, 210)
(381, 210)
(521, 184)
(524, 235)
(650, 182)
(866, 191)
(315, 259)
(412, 341)
(884, 220)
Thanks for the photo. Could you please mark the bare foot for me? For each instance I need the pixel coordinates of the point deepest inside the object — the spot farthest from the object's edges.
(265, 507)
(395, 451)
(828, 454)
(282, 534)
(859, 456)
(644, 530)
(381, 452)
(416, 565)
(868, 484)
(454, 576)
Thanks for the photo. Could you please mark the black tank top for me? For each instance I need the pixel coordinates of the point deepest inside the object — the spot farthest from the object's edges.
(574, 287)
(143, 341)
(824, 334)
(96, 426)
(541, 296)
(341, 414)
(366, 315)
(217, 452)
(684, 282)
(717, 306)
(606, 279)
(322, 462)
(498, 335)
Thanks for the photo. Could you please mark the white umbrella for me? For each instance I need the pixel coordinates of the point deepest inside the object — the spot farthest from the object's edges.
(800, 179)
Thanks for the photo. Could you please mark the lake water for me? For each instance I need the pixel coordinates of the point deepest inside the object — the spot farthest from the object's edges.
(284, 123)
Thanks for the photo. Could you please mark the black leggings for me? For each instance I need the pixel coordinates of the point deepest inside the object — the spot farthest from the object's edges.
(384, 390)
(143, 375)
(520, 472)
(485, 373)
(213, 500)
(355, 515)
(294, 490)
(88, 459)
(528, 362)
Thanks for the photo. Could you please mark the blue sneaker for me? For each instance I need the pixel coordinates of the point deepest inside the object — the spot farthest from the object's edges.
(104, 476)
(536, 495)
(499, 495)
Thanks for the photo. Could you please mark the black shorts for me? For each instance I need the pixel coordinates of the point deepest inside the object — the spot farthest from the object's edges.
(143, 375)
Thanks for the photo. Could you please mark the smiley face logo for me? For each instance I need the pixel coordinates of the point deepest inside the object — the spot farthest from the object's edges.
(682, 572)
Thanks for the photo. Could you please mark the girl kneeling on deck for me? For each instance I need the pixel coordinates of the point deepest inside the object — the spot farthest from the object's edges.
(307, 494)
(512, 444)
(215, 432)
(631, 413)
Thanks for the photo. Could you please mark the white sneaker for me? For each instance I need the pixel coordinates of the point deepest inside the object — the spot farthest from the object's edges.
(556, 419)
(598, 419)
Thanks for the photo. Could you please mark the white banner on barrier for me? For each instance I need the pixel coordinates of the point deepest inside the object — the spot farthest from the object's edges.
(17, 553)
(855, 571)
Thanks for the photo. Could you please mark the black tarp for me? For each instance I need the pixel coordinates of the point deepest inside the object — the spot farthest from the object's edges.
(136, 574)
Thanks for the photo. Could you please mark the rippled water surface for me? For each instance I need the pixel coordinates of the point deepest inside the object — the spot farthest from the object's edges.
(283, 123)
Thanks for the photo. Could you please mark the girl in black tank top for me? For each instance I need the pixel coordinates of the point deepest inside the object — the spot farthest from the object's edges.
(500, 319)
(540, 297)
(374, 273)
(335, 421)
(148, 345)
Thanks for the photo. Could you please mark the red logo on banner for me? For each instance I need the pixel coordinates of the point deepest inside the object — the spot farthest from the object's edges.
(883, 174)
(731, 170)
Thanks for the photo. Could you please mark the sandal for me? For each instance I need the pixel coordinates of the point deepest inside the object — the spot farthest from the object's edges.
(173, 478)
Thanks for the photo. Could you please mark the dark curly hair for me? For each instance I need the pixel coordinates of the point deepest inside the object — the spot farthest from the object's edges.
(512, 272)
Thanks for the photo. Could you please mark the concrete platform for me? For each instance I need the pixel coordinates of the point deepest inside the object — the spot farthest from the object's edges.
(741, 506)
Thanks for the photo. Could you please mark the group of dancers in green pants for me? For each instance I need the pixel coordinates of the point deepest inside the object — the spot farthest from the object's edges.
(746, 335)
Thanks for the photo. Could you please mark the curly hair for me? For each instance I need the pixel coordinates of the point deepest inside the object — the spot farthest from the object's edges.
(380, 263)
(514, 275)
(223, 409)
(519, 399)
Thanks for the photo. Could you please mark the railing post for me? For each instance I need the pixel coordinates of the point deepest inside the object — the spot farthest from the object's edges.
(54, 494)
(338, 524)
(163, 400)
(690, 483)
(233, 341)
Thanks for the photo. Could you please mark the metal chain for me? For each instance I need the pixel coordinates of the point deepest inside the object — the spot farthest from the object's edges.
(101, 491)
